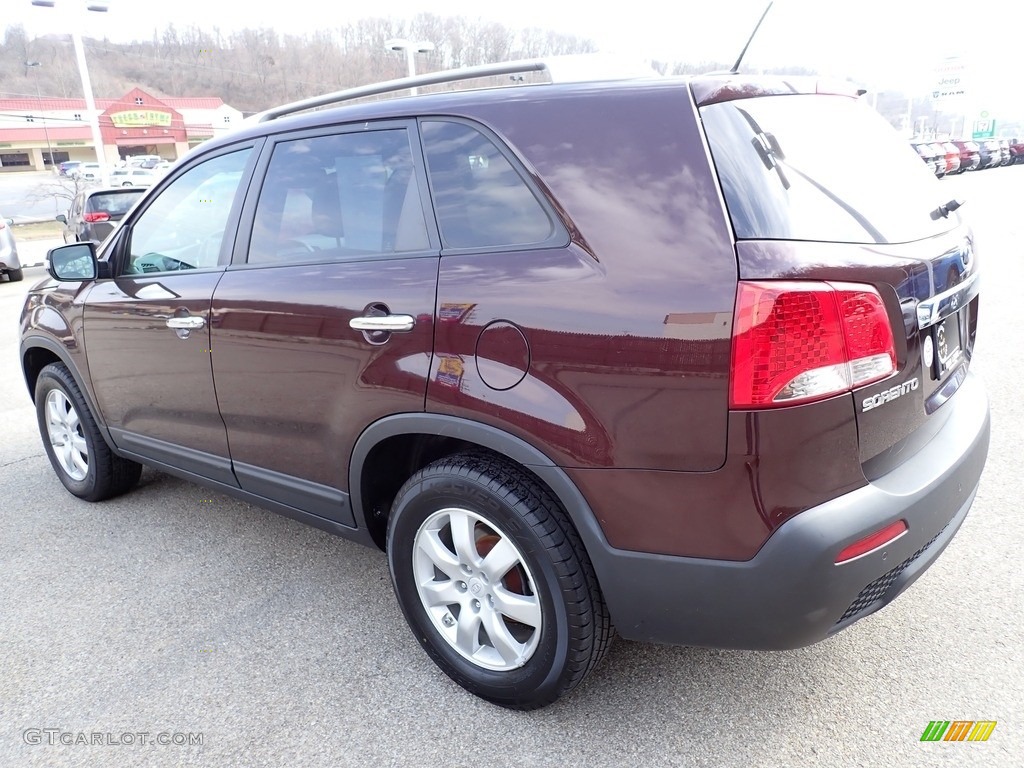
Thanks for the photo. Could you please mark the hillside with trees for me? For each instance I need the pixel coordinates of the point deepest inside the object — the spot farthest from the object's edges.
(253, 69)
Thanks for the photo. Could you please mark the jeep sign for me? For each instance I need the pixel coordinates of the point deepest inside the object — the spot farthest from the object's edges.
(949, 86)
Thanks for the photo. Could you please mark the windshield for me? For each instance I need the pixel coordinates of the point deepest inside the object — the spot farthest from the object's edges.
(823, 168)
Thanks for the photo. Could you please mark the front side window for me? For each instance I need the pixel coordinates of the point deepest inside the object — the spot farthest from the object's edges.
(480, 198)
(183, 228)
(336, 197)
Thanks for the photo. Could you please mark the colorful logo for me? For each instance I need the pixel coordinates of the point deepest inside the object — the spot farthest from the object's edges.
(958, 730)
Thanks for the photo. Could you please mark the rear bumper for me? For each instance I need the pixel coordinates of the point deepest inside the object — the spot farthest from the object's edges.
(792, 594)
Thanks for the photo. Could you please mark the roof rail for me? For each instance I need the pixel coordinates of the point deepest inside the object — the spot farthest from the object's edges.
(375, 89)
(578, 67)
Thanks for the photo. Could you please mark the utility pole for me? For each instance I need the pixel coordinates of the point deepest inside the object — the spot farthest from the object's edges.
(46, 131)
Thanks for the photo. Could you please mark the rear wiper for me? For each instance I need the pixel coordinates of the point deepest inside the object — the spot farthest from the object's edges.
(945, 209)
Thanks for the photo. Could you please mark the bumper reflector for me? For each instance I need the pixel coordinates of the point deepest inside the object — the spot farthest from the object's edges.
(869, 544)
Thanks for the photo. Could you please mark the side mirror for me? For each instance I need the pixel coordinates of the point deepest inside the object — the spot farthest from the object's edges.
(61, 218)
(75, 262)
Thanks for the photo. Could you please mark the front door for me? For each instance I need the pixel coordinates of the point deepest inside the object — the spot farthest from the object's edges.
(148, 328)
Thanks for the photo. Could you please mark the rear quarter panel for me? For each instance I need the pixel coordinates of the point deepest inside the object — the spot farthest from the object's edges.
(629, 326)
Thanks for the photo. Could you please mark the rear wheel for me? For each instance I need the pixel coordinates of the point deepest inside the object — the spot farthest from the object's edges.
(81, 458)
(14, 275)
(494, 581)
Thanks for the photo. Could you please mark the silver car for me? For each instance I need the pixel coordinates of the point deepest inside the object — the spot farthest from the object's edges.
(10, 264)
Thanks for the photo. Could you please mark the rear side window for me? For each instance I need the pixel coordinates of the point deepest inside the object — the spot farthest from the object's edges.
(825, 168)
(340, 196)
(480, 199)
(114, 203)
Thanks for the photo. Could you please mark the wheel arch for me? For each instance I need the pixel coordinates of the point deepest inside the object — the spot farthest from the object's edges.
(39, 351)
(417, 439)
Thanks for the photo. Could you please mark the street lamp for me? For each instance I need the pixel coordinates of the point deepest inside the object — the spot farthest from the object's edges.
(46, 131)
(411, 49)
(83, 71)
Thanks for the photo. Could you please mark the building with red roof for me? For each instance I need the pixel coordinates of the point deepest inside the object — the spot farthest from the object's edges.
(39, 133)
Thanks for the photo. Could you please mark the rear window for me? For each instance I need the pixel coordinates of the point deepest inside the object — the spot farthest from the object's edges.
(114, 203)
(823, 168)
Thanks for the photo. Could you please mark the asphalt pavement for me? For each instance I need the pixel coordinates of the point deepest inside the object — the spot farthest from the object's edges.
(176, 613)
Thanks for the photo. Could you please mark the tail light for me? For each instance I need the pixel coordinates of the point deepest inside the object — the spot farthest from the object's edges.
(794, 342)
(92, 218)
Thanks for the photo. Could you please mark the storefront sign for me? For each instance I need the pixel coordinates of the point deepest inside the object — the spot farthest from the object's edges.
(137, 118)
(69, 143)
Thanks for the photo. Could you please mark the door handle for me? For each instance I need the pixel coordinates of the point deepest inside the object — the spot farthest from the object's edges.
(185, 323)
(385, 323)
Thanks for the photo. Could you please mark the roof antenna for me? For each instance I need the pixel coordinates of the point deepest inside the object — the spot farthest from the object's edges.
(736, 66)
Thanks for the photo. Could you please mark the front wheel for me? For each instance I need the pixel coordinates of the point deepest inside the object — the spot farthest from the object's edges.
(76, 449)
(494, 581)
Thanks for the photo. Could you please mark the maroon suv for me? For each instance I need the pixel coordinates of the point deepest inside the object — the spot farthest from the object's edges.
(645, 354)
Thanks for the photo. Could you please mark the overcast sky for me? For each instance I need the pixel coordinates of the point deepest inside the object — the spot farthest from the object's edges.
(884, 44)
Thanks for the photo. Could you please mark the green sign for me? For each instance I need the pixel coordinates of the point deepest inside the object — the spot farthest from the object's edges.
(4, 146)
(984, 129)
(70, 143)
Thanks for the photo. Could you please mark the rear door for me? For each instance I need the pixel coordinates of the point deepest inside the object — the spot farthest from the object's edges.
(324, 321)
(801, 209)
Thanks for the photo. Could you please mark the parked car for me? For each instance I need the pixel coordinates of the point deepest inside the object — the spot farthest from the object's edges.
(94, 213)
(951, 155)
(133, 177)
(1017, 150)
(929, 153)
(65, 168)
(1006, 154)
(970, 155)
(991, 153)
(650, 355)
(10, 264)
(142, 161)
(86, 172)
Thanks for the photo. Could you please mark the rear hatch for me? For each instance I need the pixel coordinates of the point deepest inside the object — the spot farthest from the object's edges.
(104, 209)
(820, 188)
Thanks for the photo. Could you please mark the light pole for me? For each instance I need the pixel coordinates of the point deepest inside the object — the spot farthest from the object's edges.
(83, 70)
(46, 131)
(411, 49)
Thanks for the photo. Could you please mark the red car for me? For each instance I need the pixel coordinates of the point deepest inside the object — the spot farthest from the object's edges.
(970, 155)
(1017, 150)
(644, 354)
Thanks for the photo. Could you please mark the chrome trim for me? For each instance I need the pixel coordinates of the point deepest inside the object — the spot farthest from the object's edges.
(938, 308)
(386, 323)
(185, 323)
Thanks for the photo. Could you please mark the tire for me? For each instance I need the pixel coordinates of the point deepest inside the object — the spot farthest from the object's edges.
(15, 275)
(88, 469)
(562, 629)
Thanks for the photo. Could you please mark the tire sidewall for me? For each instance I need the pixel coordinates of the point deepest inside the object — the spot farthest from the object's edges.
(542, 674)
(47, 383)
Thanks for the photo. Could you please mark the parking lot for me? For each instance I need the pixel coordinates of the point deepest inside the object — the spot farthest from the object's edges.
(176, 611)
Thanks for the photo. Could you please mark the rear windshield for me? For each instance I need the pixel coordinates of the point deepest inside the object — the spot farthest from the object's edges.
(824, 168)
(114, 203)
